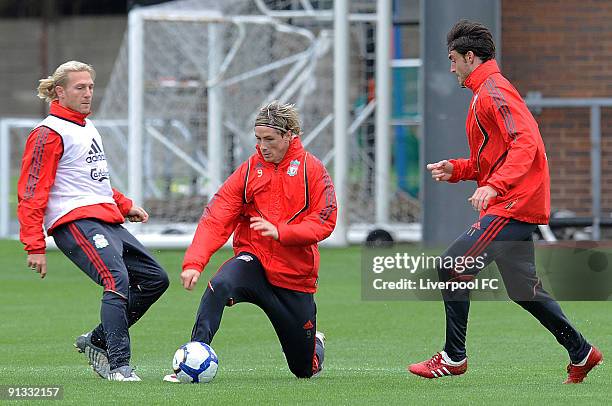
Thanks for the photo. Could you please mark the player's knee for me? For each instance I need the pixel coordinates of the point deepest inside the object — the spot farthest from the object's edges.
(301, 368)
(302, 373)
(162, 282)
(521, 295)
(157, 281)
(221, 286)
(113, 297)
(118, 284)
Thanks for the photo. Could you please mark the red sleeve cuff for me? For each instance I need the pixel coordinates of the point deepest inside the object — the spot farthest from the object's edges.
(123, 203)
(197, 267)
(37, 251)
(455, 175)
(283, 231)
(125, 206)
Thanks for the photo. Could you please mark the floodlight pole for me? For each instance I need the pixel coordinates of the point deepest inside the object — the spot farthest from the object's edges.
(596, 171)
(215, 109)
(135, 104)
(383, 110)
(341, 115)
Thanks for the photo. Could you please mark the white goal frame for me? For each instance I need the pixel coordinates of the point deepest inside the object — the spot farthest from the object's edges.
(212, 168)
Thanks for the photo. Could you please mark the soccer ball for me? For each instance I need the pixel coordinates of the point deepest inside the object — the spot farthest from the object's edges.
(195, 362)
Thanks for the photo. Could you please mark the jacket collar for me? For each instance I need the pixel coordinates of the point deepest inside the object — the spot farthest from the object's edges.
(66, 113)
(295, 150)
(480, 74)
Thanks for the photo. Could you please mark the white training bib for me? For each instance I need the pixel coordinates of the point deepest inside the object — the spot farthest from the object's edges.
(82, 177)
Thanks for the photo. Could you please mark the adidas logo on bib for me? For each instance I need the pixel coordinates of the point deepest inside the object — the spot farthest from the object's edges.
(95, 153)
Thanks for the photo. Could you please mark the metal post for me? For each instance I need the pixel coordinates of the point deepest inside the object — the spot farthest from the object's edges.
(215, 110)
(135, 105)
(534, 101)
(341, 112)
(383, 109)
(5, 178)
(596, 170)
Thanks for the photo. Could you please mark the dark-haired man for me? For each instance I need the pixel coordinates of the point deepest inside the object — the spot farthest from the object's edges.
(508, 162)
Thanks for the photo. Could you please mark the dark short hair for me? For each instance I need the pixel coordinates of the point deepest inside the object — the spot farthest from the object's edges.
(471, 36)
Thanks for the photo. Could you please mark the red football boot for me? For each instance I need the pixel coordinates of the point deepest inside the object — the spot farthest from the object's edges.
(577, 373)
(436, 367)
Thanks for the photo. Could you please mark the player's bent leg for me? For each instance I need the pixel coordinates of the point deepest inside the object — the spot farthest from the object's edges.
(236, 281)
(91, 247)
(525, 288)
(142, 295)
(293, 316)
(304, 362)
(115, 279)
(208, 318)
(549, 314)
(148, 280)
(456, 302)
(114, 319)
(583, 356)
(474, 242)
(239, 279)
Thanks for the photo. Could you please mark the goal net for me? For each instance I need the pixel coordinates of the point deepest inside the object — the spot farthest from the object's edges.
(199, 70)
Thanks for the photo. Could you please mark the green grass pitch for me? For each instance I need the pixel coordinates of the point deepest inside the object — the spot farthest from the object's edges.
(512, 359)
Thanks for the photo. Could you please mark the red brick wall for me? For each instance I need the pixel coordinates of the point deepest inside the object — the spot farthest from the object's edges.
(564, 49)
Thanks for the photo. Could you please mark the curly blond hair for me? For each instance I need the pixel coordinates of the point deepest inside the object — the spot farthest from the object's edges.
(282, 117)
(46, 86)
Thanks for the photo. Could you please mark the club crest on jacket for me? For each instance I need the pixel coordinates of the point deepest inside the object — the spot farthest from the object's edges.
(293, 167)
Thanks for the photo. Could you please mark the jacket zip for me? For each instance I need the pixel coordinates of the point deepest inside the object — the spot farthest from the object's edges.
(275, 184)
(484, 134)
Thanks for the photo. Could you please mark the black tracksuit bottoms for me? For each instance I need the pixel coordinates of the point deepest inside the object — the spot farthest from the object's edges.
(509, 243)
(131, 278)
(292, 313)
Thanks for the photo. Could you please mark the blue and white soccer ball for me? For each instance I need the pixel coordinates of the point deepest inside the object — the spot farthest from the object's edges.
(195, 362)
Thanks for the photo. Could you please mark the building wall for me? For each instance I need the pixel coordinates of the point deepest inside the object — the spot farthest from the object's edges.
(564, 49)
(558, 48)
(95, 40)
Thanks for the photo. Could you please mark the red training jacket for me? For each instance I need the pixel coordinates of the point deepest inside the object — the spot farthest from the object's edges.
(43, 151)
(297, 196)
(506, 149)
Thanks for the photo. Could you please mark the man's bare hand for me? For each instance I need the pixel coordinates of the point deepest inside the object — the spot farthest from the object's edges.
(267, 229)
(38, 263)
(137, 215)
(189, 278)
(441, 171)
(481, 197)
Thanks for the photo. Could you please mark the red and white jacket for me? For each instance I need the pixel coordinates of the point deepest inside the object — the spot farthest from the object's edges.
(506, 149)
(42, 159)
(296, 195)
